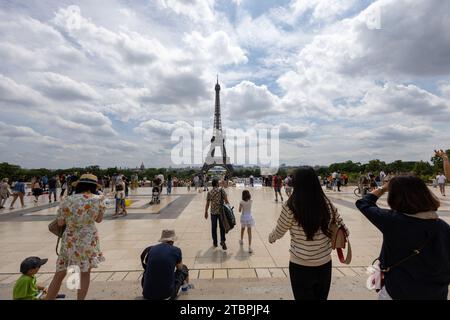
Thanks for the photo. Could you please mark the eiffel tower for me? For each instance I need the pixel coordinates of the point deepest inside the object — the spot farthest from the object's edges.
(218, 140)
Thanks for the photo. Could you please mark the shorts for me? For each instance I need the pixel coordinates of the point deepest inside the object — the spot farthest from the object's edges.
(288, 189)
(37, 192)
(277, 189)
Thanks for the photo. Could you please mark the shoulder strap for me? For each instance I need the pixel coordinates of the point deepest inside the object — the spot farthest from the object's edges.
(415, 252)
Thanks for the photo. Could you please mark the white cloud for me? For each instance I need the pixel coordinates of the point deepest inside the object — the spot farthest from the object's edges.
(197, 10)
(11, 131)
(405, 101)
(61, 88)
(13, 93)
(247, 101)
(217, 47)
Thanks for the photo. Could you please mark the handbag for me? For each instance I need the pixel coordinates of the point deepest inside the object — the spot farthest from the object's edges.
(57, 230)
(339, 240)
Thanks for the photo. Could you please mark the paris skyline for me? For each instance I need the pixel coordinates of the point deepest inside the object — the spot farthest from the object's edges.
(107, 83)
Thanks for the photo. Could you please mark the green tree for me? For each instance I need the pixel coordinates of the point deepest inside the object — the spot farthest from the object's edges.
(423, 168)
(376, 166)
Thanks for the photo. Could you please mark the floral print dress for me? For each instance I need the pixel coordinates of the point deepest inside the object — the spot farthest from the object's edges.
(80, 243)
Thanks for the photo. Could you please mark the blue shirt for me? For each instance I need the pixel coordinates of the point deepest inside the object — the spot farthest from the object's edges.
(159, 275)
(19, 187)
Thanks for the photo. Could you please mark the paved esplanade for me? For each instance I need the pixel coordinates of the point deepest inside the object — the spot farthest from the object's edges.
(216, 274)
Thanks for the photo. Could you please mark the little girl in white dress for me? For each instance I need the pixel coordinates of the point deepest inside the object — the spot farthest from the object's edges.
(247, 220)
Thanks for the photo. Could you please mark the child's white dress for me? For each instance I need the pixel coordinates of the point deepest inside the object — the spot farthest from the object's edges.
(247, 220)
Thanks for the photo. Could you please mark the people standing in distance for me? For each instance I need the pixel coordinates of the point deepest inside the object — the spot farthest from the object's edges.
(4, 192)
(18, 192)
(277, 183)
(441, 180)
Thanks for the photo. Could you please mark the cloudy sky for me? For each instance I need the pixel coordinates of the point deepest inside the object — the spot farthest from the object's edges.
(107, 82)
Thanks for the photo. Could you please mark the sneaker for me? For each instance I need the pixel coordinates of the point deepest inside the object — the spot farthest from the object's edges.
(224, 245)
(250, 250)
(276, 200)
(215, 245)
(241, 242)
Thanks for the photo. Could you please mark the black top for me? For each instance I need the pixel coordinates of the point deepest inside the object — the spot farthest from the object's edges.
(159, 274)
(421, 277)
(52, 183)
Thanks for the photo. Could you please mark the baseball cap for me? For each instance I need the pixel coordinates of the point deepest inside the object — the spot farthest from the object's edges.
(31, 263)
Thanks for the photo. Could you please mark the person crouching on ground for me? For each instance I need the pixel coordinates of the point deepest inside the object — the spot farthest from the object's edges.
(159, 281)
(416, 244)
(26, 287)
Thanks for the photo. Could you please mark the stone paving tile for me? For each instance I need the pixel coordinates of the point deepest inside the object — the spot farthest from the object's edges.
(103, 276)
(133, 276)
(44, 278)
(263, 273)
(360, 270)
(94, 275)
(220, 274)
(205, 274)
(118, 276)
(277, 273)
(241, 273)
(337, 273)
(348, 272)
(193, 274)
(286, 271)
(11, 279)
(4, 276)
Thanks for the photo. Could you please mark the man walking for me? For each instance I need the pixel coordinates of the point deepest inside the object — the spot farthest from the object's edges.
(441, 180)
(52, 189)
(277, 184)
(215, 198)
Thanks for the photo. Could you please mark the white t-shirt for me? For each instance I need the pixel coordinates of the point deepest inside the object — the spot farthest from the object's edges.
(246, 206)
(441, 179)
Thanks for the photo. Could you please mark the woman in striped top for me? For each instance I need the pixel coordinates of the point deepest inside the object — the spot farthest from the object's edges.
(307, 215)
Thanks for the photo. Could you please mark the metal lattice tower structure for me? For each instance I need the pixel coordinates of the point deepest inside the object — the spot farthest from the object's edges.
(217, 141)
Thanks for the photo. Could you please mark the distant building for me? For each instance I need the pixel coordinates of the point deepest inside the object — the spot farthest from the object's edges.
(142, 168)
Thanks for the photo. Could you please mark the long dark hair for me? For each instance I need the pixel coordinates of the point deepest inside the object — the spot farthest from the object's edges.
(311, 207)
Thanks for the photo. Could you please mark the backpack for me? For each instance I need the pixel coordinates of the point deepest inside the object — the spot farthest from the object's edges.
(227, 215)
(144, 256)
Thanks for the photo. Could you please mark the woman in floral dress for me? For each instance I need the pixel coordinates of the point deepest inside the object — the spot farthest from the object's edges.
(80, 242)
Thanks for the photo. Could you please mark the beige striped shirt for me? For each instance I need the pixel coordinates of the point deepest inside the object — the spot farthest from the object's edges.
(304, 252)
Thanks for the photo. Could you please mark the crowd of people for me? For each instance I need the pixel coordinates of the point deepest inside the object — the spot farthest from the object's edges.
(414, 262)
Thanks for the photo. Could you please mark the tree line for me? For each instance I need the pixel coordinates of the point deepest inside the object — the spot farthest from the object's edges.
(425, 170)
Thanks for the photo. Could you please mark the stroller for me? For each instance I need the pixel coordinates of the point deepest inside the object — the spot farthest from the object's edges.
(156, 193)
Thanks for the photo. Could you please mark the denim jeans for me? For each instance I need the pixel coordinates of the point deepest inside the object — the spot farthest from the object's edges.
(214, 220)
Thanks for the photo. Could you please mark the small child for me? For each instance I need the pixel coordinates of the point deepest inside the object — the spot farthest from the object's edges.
(247, 221)
(26, 287)
(120, 200)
